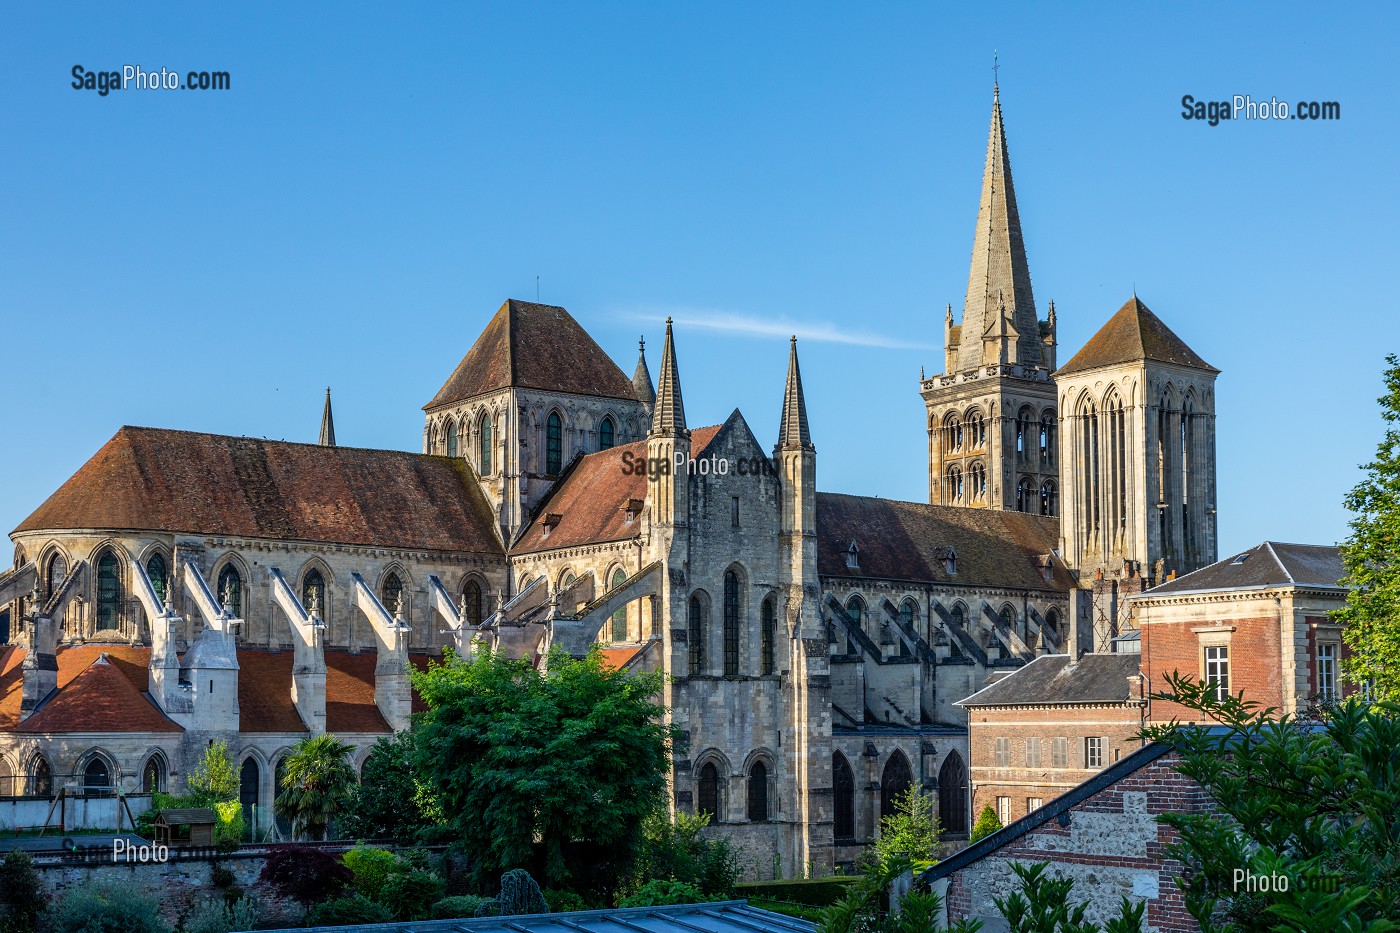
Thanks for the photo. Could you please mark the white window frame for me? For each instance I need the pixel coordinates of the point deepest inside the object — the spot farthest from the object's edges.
(1327, 671)
(1034, 803)
(1093, 751)
(1004, 810)
(1215, 660)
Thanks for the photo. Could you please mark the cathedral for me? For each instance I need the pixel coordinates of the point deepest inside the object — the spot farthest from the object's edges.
(185, 587)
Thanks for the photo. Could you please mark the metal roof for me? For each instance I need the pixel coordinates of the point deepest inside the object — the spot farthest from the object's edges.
(711, 917)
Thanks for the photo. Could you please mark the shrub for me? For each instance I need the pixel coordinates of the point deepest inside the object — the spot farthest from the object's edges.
(217, 916)
(221, 877)
(371, 868)
(228, 832)
(305, 875)
(520, 895)
(22, 896)
(409, 895)
(814, 892)
(102, 908)
(658, 893)
(675, 850)
(214, 779)
(987, 823)
(562, 902)
(343, 911)
(464, 905)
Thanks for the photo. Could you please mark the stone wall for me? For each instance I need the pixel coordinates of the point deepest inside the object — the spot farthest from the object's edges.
(1110, 844)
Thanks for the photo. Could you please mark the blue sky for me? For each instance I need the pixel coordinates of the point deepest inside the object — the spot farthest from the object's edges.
(379, 179)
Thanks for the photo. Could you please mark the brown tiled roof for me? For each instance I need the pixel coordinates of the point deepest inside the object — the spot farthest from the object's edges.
(265, 691)
(100, 698)
(130, 662)
(1134, 333)
(589, 500)
(534, 346)
(350, 705)
(910, 541)
(616, 658)
(1094, 678)
(150, 479)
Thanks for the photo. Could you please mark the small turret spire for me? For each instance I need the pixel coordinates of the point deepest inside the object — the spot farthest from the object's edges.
(641, 379)
(327, 423)
(668, 413)
(793, 432)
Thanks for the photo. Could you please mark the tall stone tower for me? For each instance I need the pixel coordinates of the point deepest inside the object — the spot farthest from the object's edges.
(1137, 443)
(991, 413)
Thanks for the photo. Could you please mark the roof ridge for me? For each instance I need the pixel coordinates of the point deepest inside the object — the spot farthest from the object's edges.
(1279, 561)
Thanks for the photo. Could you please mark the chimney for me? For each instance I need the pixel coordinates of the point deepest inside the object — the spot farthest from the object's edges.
(1081, 624)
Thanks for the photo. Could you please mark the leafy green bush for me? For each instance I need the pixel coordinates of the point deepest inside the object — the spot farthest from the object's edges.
(228, 832)
(987, 823)
(520, 895)
(344, 911)
(22, 896)
(815, 892)
(218, 916)
(563, 902)
(214, 779)
(371, 868)
(677, 851)
(392, 800)
(658, 893)
(92, 907)
(463, 905)
(410, 894)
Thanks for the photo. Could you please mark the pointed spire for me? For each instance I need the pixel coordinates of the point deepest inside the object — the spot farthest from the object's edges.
(668, 414)
(327, 423)
(641, 379)
(998, 259)
(793, 433)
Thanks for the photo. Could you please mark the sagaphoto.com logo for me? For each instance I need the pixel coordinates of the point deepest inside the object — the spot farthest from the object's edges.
(1245, 107)
(134, 77)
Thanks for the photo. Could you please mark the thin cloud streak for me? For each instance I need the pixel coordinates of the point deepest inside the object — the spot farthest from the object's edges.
(735, 322)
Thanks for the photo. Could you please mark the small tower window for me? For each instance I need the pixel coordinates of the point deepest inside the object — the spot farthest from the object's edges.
(731, 623)
(1025, 495)
(852, 555)
(758, 792)
(1049, 498)
(768, 636)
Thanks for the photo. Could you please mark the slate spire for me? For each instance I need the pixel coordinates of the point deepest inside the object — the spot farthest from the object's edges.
(327, 423)
(641, 379)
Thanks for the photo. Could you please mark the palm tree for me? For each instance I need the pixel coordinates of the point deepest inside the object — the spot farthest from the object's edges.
(317, 783)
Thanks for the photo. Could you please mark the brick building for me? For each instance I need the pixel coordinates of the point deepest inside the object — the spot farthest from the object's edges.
(1049, 726)
(1256, 622)
(1103, 834)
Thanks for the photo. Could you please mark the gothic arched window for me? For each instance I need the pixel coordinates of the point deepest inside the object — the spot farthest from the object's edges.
(250, 787)
(1025, 418)
(908, 615)
(231, 590)
(40, 778)
(955, 483)
(313, 592)
(153, 775)
(157, 573)
(55, 574)
(1049, 498)
(619, 618)
(695, 634)
(843, 784)
(391, 593)
(1025, 495)
(452, 438)
(768, 636)
(606, 432)
(97, 777)
(109, 591)
(731, 622)
(471, 603)
(708, 791)
(896, 780)
(553, 444)
(758, 792)
(952, 794)
(8, 786)
(976, 429)
(484, 455)
(978, 476)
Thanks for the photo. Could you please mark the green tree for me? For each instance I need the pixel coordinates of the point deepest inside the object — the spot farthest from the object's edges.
(316, 785)
(1043, 906)
(392, 800)
(1371, 616)
(987, 823)
(553, 769)
(214, 779)
(911, 831)
(22, 897)
(676, 850)
(1314, 803)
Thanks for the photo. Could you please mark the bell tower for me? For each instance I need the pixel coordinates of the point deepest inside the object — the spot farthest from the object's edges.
(991, 413)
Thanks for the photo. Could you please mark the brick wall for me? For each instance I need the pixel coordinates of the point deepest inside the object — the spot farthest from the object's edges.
(1256, 659)
(1117, 725)
(1112, 846)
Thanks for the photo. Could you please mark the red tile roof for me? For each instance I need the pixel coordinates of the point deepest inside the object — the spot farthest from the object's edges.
(350, 705)
(1134, 333)
(589, 499)
(534, 346)
(150, 479)
(911, 541)
(94, 695)
(617, 658)
(265, 692)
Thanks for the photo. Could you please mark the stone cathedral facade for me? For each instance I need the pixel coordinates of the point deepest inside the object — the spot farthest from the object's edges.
(182, 587)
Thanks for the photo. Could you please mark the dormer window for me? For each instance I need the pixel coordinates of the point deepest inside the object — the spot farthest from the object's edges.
(950, 563)
(853, 555)
(551, 519)
(630, 510)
